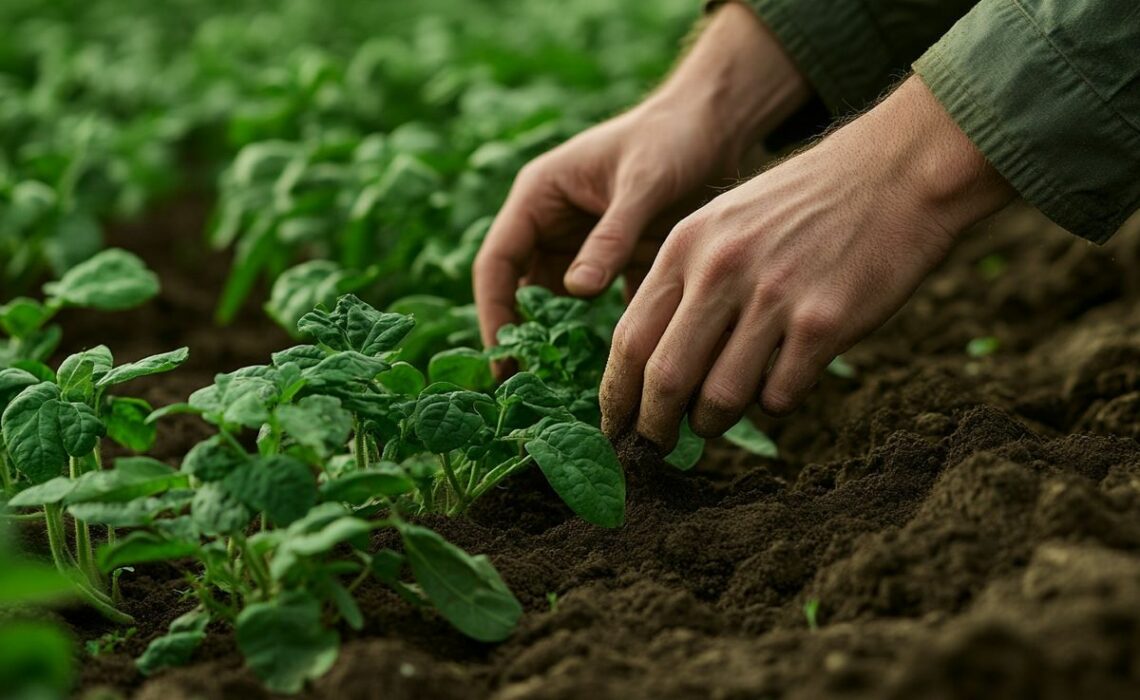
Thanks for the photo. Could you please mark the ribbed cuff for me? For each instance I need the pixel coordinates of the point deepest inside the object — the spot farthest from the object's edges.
(1037, 118)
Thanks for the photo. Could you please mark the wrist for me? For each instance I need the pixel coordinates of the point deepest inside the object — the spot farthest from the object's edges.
(952, 182)
(737, 79)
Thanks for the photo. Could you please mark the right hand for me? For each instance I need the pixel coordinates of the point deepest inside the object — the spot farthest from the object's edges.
(601, 204)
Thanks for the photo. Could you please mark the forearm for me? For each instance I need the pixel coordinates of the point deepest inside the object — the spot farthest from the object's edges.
(737, 78)
(922, 158)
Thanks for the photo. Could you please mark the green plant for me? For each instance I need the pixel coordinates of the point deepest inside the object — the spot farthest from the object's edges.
(811, 613)
(112, 280)
(350, 442)
(50, 458)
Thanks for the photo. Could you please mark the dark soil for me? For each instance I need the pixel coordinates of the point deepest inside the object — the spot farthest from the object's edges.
(970, 527)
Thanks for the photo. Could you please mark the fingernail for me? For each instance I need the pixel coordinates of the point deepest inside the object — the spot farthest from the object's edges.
(587, 276)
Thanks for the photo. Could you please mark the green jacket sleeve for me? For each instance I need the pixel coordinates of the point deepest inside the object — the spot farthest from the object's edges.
(853, 50)
(1049, 91)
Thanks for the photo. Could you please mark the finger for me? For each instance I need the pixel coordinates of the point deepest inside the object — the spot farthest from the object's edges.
(609, 246)
(677, 366)
(804, 354)
(502, 261)
(731, 386)
(635, 338)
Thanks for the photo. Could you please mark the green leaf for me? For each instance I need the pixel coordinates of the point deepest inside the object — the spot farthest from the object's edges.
(177, 646)
(284, 642)
(216, 511)
(77, 373)
(448, 421)
(465, 367)
(37, 369)
(111, 280)
(746, 435)
(346, 605)
(358, 488)
(280, 486)
(40, 431)
(466, 590)
(212, 459)
(127, 423)
(12, 382)
(581, 466)
(155, 364)
(345, 367)
(52, 491)
(540, 305)
(142, 547)
(136, 513)
(29, 582)
(301, 288)
(318, 422)
(132, 477)
(402, 378)
(689, 449)
(978, 348)
(841, 368)
(36, 660)
(22, 317)
(354, 325)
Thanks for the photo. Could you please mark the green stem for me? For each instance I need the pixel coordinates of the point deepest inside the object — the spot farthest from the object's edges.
(84, 553)
(359, 446)
(460, 493)
(53, 514)
(256, 567)
(22, 517)
(5, 472)
(498, 474)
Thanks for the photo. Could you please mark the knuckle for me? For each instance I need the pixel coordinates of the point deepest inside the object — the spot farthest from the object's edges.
(662, 378)
(816, 322)
(778, 402)
(625, 345)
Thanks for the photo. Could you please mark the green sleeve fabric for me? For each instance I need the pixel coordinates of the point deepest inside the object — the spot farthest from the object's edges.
(1049, 91)
(853, 50)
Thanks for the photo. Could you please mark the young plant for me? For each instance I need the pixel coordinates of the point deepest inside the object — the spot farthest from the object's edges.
(50, 455)
(112, 280)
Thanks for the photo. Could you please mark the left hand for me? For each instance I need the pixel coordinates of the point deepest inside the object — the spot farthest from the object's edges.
(753, 295)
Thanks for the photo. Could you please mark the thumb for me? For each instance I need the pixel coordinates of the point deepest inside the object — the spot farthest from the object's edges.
(608, 248)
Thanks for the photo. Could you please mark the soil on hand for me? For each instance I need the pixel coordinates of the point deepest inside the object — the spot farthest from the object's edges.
(968, 527)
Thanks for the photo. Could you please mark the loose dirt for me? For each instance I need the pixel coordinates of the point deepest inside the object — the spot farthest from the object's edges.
(969, 527)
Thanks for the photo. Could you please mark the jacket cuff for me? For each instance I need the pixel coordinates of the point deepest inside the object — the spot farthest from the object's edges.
(837, 46)
(1045, 119)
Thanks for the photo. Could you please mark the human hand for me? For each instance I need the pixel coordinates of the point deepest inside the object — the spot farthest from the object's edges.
(601, 204)
(791, 268)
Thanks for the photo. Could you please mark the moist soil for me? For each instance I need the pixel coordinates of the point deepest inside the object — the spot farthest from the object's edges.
(970, 527)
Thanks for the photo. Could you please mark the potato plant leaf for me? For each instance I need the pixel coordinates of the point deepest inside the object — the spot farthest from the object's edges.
(318, 422)
(142, 547)
(746, 435)
(155, 364)
(467, 590)
(464, 367)
(447, 421)
(689, 449)
(127, 424)
(280, 486)
(284, 642)
(358, 488)
(131, 478)
(40, 431)
(581, 466)
(111, 280)
(176, 646)
(354, 325)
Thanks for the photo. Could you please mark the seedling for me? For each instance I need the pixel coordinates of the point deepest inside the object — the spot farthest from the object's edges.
(811, 613)
(350, 440)
(982, 347)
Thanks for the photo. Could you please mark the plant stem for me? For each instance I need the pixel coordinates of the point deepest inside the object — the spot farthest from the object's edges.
(84, 553)
(53, 514)
(359, 446)
(256, 567)
(22, 517)
(57, 544)
(460, 493)
(498, 474)
(5, 473)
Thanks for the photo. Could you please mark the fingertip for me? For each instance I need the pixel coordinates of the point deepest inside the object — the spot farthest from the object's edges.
(586, 279)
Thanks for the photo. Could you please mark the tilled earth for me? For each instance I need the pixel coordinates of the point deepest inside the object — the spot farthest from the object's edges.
(970, 527)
